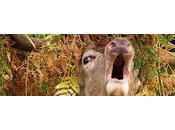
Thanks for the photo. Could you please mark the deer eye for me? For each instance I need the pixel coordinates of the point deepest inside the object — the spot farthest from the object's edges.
(88, 59)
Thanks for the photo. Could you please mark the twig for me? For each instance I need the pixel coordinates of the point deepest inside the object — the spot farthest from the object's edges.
(161, 86)
(30, 41)
(27, 71)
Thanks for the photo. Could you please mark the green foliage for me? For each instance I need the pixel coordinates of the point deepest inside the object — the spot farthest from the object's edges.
(5, 71)
(44, 36)
(56, 63)
(2, 72)
(40, 36)
(44, 87)
(169, 37)
(1, 66)
(67, 87)
(152, 55)
(148, 61)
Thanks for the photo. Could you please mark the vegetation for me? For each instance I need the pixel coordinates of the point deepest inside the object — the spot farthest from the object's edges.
(53, 69)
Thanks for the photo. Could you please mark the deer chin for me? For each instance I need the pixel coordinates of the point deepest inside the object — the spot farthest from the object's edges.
(117, 77)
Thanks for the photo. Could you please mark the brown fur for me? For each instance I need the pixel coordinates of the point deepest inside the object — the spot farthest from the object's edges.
(92, 78)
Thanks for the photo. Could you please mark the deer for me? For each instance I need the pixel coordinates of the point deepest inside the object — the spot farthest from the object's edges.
(102, 71)
(108, 71)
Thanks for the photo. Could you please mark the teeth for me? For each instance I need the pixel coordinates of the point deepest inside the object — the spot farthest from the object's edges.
(125, 73)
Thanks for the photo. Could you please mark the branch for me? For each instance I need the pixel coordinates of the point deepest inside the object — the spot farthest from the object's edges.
(23, 42)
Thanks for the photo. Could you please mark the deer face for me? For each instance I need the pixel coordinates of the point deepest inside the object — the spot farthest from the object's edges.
(119, 55)
(109, 70)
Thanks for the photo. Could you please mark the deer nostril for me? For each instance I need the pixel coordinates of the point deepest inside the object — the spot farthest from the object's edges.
(113, 44)
(128, 44)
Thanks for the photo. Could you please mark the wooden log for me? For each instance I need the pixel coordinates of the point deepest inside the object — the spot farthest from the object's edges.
(23, 42)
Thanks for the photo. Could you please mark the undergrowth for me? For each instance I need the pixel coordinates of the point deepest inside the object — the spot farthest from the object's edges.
(54, 69)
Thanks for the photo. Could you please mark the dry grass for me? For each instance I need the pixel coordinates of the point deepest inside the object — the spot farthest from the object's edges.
(54, 69)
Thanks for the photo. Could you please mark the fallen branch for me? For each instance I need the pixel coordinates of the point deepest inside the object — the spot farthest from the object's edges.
(23, 42)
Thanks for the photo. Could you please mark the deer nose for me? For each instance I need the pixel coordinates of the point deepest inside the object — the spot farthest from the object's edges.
(119, 43)
(118, 46)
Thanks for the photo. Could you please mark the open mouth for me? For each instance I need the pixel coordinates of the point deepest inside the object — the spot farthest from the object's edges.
(119, 70)
(118, 77)
(118, 67)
